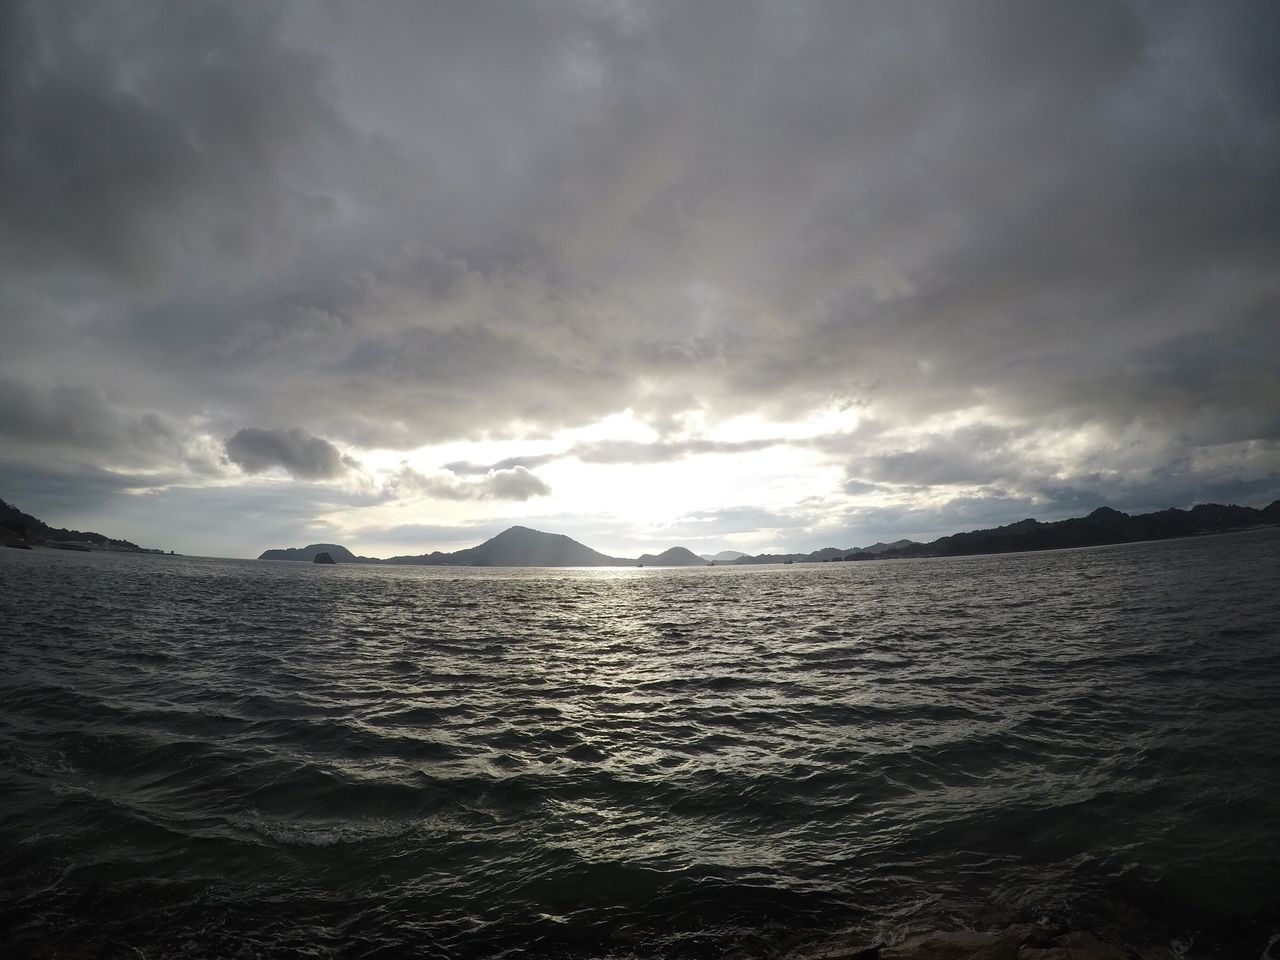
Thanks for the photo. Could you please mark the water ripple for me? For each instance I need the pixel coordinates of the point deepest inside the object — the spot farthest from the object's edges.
(203, 758)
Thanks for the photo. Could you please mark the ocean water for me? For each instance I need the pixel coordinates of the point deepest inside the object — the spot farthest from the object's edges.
(225, 758)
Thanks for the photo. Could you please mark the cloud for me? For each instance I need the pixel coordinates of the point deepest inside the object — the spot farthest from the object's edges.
(257, 450)
(147, 135)
(75, 416)
(466, 468)
(515, 483)
(44, 421)
(629, 451)
(614, 452)
(1055, 223)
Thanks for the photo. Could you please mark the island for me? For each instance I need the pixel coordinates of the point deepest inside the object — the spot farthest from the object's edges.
(524, 547)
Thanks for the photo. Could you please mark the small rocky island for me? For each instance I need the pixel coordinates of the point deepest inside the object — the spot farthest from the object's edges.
(323, 557)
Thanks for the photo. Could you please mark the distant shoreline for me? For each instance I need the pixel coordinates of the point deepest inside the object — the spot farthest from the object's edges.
(523, 547)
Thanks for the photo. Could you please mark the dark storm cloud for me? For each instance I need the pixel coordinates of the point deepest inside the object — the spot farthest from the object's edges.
(419, 223)
(141, 134)
(71, 488)
(43, 423)
(76, 416)
(256, 450)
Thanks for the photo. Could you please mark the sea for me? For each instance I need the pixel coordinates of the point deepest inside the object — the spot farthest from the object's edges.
(228, 758)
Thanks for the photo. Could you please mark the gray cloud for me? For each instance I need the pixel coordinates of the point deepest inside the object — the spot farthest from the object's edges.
(76, 416)
(141, 135)
(467, 469)
(629, 451)
(257, 450)
(45, 422)
(622, 452)
(515, 483)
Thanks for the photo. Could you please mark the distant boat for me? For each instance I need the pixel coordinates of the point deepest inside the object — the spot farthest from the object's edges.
(788, 561)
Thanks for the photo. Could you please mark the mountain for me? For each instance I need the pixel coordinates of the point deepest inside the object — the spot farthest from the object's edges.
(779, 558)
(673, 557)
(523, 547)
(307, 554)
(1103, 526)
(520, 547)
(514, 547)
(19, 527)
(825, 555)
(724, 556)
(882, 547)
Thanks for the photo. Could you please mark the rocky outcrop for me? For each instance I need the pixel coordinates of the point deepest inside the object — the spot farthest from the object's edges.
(323, 557)
(308, 554)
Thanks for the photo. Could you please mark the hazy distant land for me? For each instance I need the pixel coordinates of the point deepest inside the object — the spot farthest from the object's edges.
(523, 547)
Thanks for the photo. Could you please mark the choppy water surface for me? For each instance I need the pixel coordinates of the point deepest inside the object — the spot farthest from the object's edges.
(241, 758)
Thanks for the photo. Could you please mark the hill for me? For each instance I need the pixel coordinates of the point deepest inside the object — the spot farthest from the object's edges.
(724, 556)
(514, 547)
(519, 547)
(826, 554)
(1103, 526)
(673, 557)
(307, 554)
(523, 547)
(19, 527)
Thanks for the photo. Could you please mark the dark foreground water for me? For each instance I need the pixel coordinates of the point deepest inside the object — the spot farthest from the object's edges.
(224, 758)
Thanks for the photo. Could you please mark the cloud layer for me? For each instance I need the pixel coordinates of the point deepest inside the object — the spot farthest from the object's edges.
(1027, 248)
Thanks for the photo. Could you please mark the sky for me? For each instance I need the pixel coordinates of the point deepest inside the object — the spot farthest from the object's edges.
(732, 275)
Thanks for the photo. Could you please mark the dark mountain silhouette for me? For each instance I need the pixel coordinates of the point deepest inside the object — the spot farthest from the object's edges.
(1103, 526)
(825, 554)
(520, 547)
(523, 547)
(672, 557)
(19, 527)
(307, 554)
